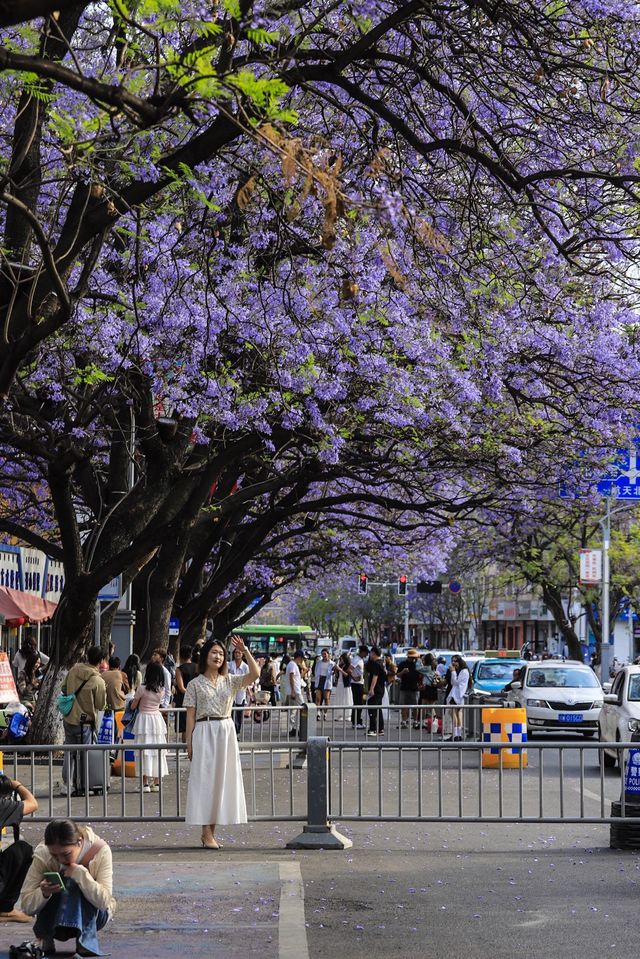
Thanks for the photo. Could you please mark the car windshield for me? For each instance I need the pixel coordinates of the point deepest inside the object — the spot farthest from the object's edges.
(634, 689)
(560, 677)
(501, 672)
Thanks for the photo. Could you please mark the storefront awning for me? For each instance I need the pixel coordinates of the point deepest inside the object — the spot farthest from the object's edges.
(17, 605)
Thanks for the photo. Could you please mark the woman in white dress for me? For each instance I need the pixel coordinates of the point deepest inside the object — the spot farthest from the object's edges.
(459, 683)
(150, 727)
(215, 795)
(341, 694)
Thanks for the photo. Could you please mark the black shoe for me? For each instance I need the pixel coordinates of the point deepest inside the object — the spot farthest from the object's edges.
(457, 739)
(293, 732)
(78, 792)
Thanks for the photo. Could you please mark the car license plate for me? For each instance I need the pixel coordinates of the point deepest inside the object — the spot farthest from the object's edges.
(570, 717)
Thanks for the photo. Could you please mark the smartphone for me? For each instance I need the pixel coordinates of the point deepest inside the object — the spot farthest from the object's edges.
(54, 878)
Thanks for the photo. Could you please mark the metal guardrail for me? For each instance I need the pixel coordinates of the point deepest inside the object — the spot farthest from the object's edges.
(446, 782)
(275, 785)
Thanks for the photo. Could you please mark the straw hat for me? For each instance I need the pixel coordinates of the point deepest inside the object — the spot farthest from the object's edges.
(413, 654)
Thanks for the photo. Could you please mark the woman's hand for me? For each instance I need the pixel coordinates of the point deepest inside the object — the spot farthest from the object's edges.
(189, 751)
(238, 643)
(49, 889)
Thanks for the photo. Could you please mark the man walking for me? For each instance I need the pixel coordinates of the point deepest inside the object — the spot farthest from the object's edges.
(356, 671)
(377, 679)
(85, 681)
(294, 688)
(15, 802)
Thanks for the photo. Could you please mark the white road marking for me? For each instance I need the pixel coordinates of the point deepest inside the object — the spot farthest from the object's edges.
(292, 932)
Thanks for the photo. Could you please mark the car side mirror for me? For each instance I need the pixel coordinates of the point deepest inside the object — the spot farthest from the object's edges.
(607, 687)
(611, 698)
(516, 685)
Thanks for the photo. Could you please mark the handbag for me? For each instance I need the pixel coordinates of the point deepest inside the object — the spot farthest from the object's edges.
(129, 717)
(66, 700)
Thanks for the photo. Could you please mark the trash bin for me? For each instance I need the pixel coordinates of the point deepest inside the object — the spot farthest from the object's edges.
(500, 725)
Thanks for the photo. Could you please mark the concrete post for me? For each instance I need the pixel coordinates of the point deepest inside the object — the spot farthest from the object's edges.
(318, 833)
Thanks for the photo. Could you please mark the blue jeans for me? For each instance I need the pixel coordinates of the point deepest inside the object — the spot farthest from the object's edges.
(69, 914)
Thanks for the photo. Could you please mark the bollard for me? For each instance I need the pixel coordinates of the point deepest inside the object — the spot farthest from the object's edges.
(318, 833)
(623, 834)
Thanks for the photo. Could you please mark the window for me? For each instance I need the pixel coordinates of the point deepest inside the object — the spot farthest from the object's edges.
(634, 688)
(562, 677)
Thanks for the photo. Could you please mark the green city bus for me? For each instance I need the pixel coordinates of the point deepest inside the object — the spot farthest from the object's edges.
(277, 639)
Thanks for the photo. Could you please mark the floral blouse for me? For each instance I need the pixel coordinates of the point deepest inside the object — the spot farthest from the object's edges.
(213, 699)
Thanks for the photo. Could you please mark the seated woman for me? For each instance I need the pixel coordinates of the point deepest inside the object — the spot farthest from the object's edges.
(83, 860)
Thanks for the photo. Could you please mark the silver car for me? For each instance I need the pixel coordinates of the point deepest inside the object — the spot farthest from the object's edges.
(559, 695)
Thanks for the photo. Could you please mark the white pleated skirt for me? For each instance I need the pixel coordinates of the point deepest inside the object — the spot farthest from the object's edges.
(216, 791)
(151, 728)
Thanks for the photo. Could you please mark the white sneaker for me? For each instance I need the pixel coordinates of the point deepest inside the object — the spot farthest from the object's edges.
(146, 788)
(372, 734)
(60, 789)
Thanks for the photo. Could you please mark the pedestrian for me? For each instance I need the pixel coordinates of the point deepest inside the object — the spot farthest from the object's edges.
(132, 671)
(117, 685)
(28, 681)
(459, 684)
(238, 667)
(158, 656)
(294, 689)
(377, 679)
(356, 672)
(29, 645)
(268, 675)
(85, 682)
(409, 683)
(429, 690)
(215, 794)
(322, 676)
(149, 727)
(342, 695)
(283, 679)
(16, 802)
(85, 903)
(185, 672)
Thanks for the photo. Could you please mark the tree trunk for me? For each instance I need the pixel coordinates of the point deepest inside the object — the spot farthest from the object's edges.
(553, 599)
(72, 633)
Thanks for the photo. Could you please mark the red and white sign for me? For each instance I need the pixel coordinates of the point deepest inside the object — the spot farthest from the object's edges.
(8, 691)
(590, 566)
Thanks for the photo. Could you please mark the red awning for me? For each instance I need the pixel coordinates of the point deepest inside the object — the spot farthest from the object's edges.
(17, 605)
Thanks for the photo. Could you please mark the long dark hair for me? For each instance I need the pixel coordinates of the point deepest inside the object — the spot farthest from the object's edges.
(204, 655)
(154, 678)
(463, 665)
(131, 669)
(32, 657)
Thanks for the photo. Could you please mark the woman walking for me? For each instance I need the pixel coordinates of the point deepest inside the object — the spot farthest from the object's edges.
(322, 673)
(215, 795)
(459, 683)
(341, 695)
(150, 727)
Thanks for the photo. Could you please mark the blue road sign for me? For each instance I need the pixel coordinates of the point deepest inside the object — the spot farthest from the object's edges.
(623, 480)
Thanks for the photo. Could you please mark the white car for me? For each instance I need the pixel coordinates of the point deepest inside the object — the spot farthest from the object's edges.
(559, 695)
(620, 716)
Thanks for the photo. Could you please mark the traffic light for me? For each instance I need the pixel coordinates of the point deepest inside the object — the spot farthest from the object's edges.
(362, 584)
(429, 586)
(402, 585)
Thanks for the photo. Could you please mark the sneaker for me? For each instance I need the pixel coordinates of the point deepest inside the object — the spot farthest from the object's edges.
(361, 726)
(457, 739)
(146, 788)
(416, 725)
(403, 725)
(292, 733)
(60, 789)
(155, 788)
(371, 734)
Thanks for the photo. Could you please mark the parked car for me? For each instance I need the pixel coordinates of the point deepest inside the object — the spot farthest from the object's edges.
(620, 715)
(559, 695)
(490, 676)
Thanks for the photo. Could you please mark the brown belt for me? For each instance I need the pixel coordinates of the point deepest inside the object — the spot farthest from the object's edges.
(206, 719)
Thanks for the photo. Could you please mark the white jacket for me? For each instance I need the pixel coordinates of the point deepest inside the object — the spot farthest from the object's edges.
(95, 880)
(458, 686)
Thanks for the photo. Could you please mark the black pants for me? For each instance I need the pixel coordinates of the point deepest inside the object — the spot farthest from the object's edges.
(14, 865)
(272, 693)
(238, 716)
(376, 719)
(357, 691)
